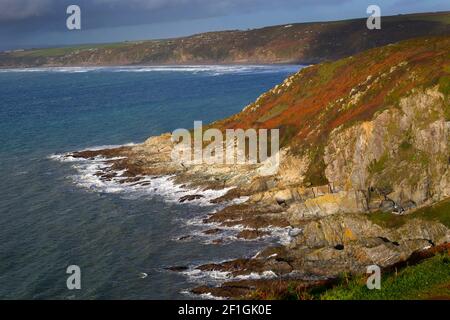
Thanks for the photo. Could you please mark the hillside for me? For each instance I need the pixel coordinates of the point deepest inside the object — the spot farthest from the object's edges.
(323, 102)
(364, 176)
(292, 43)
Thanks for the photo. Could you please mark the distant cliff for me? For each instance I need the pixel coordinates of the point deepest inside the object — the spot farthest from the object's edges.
(292, 43)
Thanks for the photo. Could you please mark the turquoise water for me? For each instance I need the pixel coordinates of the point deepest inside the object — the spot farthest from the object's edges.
(122, 241)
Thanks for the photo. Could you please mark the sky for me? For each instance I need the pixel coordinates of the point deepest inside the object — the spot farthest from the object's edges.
(42, 23)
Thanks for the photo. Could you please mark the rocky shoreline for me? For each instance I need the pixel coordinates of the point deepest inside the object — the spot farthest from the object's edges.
(320, 248)
(353, 148)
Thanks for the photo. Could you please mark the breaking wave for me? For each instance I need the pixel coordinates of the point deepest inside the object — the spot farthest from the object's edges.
(213, 70)
(218, 277)
(227, 234)
(89, 172)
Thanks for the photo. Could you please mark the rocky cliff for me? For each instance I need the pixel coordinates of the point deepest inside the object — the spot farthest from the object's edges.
(368, 132)
(292, 43)
(359, 136)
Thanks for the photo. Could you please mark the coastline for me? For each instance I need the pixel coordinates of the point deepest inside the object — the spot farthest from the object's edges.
(286, 264)
(360, 169)
(305, 43)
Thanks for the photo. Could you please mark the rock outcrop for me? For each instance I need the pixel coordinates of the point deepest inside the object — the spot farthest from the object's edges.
(359, 136)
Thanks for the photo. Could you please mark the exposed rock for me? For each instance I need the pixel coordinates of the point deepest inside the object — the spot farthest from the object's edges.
(381, 152)
(266, 287)
(387, 205)
(212, 231)
(341, 243)
(351, 146)
(178, 268)
(189, 198)
(250, 216)
(251, 234)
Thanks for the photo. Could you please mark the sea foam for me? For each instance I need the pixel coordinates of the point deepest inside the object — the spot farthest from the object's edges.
(89, 173)
(212, 70)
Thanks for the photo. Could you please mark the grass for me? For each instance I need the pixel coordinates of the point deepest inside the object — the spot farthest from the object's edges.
(52, 52)
(405, 145)
(378, 166)
(287, 132)
(58, 52)
(444, 85)
(329, 69)
(439, 212)
(272, 113)
(315, 175)
(441, 18)
(427, 280)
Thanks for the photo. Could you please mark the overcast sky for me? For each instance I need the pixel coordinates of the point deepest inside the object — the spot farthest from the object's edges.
(38, 23)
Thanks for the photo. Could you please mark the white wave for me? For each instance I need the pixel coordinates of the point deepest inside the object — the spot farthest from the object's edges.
(210, 296)
(65, 157)
(257, 276)
(214, 276)
(52, 69)
(281, 235)
(108, 146)
(205, 296)
(89, 173)
(195, 275)
(213, 70)
(285, 235)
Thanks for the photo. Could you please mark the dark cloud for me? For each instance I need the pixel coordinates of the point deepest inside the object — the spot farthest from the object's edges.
(23, 21)
(11, 10)
(109, 13)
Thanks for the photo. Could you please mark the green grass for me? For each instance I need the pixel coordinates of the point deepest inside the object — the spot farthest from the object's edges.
(444, 85)
(378, 166)
(427, 280)
(439, 212)
(58, 52)
(315, 175)
(405, 145)
(52, 52)
(287, 132)
(272, 113)
(329, 69)
(442, 18)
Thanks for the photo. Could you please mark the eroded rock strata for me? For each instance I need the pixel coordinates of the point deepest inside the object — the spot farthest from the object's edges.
(362, 135)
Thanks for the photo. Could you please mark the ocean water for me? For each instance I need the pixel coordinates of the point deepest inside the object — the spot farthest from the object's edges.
(53, 215)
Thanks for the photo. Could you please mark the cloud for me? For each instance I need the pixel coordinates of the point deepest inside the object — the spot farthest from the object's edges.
(22, 9)
(128, 12)
(24, 21)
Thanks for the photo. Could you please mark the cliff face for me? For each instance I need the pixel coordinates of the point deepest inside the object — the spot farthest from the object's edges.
(370, 132)
(293, 43)
(364, 176)
(401, 154)
(362, 134)
(364, 137)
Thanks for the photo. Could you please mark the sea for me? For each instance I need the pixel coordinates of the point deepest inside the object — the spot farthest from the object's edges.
(55, 213)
